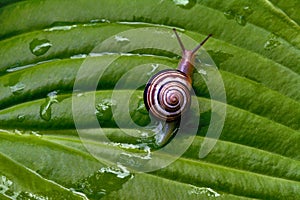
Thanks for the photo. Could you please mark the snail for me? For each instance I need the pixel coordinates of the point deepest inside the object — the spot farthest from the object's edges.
(167, 94)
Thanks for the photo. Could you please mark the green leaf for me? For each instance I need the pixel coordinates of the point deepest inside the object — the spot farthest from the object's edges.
(69, 67)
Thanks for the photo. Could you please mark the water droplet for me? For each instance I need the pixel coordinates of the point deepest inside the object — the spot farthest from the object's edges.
(45, 109)
(99, 20)
(18, 132)
(185, 3)
(181, 2)
(9, 189)
(229, 14)
(141, 156)
(95, 20)
(81, 194)
(120, 171)
(202, 71)
(103, 181)
(272, 42)
(80, 95)
(105, 105)
(122, 39)
(247, 10)
(104, 109)
(19, 67)
(61, 28)
(239, 16)
(79, 56)
(154, 67)
(147, 137)
(105, 21)
(35, 133)
(100, 54)
(16, 89)
(5, 182)
(6, 186)
(133, 155)
(21, 118)
(141, 107)
(144, 134)
(241, 20)
(202, 190)
(39, 47)
(29, 195)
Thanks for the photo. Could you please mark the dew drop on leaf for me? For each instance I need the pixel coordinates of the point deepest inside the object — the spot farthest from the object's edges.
(247, 10)
(141, 107)
(29, 195)
(5, 182)
(39, 47)
(229, 14)
(35, 133)
(121, 39)
(18, 132)
(272, 42)
(79, 56)
(241, 20)
(17, 89)
(61, 28)
(185, 3)
(239, 15)
(80, 95)
(104, 181)
(6, 187)
(181, 2)
(21, 118)
(120, 171)
(202, 71)
(99, 20)
(154, 67)
(203, 191)
(45, 108)
(104, 109)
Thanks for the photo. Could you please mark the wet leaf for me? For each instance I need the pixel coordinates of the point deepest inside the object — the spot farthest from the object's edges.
(69, 66)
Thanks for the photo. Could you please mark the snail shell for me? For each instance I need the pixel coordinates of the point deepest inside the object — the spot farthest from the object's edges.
(167, 94)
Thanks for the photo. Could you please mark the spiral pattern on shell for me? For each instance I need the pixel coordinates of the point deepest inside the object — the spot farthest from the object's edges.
(167, 95)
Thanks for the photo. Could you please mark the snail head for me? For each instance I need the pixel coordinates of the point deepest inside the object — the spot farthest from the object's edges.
(187, 62)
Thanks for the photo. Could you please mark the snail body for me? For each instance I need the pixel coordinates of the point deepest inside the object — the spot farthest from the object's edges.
(167, 94)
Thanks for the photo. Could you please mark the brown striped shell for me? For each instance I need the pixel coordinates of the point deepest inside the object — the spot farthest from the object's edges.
(167, 94)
